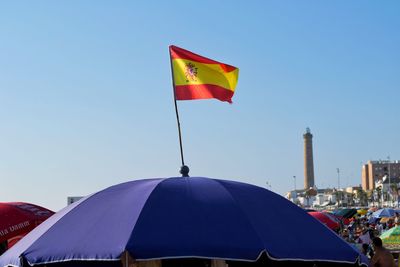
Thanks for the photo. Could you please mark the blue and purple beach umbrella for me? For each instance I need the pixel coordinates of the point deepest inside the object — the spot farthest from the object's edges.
(385, 212)
(188, 217)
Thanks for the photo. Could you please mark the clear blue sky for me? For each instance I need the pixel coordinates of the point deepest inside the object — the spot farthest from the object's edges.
(86, 99)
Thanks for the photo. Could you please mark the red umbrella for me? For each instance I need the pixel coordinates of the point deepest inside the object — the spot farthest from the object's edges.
(19, 218)
(325, 219)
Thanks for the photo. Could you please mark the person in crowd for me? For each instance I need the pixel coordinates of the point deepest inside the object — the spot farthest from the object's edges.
(367, 251)
(384, 227)
(390, 223)
(382, 257)
(370, 230)
(364, 237)
(379, 228)
(352, 236)
(396, 219)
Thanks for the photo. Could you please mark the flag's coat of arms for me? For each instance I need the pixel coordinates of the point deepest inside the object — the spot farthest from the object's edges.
(190, 72)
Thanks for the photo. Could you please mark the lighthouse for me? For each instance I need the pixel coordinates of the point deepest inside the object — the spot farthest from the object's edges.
(308, 160)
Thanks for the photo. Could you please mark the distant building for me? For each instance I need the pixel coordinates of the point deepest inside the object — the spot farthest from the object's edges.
(319, 197)
(71, 200)
(325, 197)
(374, 171)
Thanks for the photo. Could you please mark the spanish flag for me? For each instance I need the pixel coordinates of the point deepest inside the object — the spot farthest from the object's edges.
(197, 77)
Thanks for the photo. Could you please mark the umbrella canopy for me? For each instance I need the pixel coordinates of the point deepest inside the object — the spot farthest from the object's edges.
(346, 213)
(325, 219)
(362, 211)
(372, 209)
(383, 213)
(178, 218)
(391, 238)
(18, 218)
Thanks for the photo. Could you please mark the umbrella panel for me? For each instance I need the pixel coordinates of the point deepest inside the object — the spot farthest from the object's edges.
(325, 219)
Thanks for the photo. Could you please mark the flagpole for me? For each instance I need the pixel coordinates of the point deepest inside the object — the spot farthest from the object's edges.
(184, 169)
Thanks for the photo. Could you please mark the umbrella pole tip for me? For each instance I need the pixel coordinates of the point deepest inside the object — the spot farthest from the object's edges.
(184, 171)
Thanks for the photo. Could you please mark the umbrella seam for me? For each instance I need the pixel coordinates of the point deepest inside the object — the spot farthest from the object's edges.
(75, 204)
(241, 210)
(140, 213)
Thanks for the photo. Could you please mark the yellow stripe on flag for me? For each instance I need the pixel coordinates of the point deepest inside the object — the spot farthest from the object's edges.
(187, 72)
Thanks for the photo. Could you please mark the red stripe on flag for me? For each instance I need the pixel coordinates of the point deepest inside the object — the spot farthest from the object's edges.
(203, 91)
(177, 52)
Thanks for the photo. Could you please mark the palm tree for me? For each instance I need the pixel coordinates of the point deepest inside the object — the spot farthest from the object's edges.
(393, 192)
(363, 198)
(310, 193)
(357, 195)
(370, 196)
(338, 195)
(350, 199)
(378, 193)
